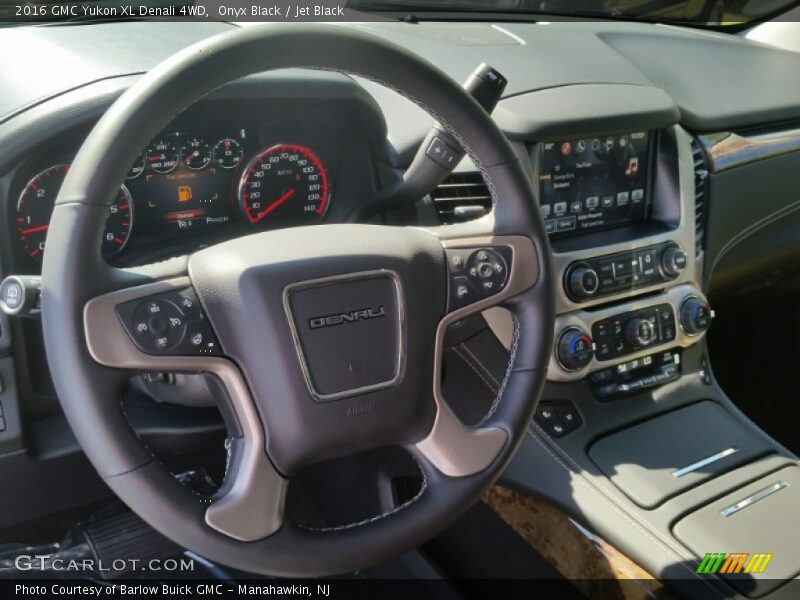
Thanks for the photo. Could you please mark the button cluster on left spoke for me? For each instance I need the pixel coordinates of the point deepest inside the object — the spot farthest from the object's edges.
(169, 324)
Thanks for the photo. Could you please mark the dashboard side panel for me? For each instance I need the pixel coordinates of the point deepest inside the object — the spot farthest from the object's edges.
(753, 220)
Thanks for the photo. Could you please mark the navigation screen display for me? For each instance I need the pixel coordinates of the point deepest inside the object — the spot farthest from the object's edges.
(593, 183)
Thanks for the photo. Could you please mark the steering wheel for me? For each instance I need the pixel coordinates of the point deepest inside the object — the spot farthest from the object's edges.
(325, 340)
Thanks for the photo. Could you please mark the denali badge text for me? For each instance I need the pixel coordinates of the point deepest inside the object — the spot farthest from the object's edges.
(361, 314)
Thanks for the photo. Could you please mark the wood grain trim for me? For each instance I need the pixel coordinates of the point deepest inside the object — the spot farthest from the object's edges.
(595, 568)
(729, 150)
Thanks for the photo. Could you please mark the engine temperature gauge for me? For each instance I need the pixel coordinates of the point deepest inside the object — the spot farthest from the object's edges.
(196, 153)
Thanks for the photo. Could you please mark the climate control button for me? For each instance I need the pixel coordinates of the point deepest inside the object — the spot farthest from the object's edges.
(640, 332)
(695, 316)
(574, 349)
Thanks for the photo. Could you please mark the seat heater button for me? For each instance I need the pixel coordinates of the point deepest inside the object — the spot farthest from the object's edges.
(545, 413)
(557, 428)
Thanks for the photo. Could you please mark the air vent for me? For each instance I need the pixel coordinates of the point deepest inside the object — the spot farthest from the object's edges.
(700, 195)
(462, 197)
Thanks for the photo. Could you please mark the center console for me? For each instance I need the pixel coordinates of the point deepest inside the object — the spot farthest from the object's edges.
(621, 216)
(633, 437)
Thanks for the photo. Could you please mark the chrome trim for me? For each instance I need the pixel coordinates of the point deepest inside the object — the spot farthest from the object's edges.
(729, 150)
(401, 328)
(585, 319)
(750, 500)
(453, 448)
(709, 460)
(252, 507)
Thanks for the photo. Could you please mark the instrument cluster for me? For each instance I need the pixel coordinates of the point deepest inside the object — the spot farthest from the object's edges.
(186, 182)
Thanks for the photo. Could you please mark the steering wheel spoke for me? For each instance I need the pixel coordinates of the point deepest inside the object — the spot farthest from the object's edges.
(160, 326)
(483, 272)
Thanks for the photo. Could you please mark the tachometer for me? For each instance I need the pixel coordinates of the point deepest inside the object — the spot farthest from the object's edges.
(286, 182)
(35, 206)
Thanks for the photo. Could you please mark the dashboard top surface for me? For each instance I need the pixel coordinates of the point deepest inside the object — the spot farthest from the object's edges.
(700, 71)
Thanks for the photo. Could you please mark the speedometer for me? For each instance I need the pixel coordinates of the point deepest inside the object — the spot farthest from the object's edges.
(287, 183)
(36, 203)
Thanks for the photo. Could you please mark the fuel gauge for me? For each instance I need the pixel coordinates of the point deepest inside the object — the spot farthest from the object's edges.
(228, 153)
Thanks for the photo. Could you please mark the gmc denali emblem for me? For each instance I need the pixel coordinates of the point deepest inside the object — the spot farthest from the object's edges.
(361, 314)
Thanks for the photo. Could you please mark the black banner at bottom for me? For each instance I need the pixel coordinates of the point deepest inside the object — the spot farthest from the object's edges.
(385, 589)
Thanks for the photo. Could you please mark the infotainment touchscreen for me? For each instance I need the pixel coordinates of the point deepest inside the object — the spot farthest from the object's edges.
(593, 183)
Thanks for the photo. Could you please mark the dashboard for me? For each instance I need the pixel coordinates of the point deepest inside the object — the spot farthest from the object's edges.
(663, 160)
(612, 146)
(218, 171)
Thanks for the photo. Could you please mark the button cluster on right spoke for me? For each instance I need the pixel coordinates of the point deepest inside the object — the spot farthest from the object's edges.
(476, 273)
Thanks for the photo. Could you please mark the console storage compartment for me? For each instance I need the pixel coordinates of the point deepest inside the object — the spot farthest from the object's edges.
(660, 458)
(759, 518)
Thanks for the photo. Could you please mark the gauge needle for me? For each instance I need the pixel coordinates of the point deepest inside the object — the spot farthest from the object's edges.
(36, 229)
(274, 205)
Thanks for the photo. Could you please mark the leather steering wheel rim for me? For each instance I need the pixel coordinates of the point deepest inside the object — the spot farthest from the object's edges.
(74, 274)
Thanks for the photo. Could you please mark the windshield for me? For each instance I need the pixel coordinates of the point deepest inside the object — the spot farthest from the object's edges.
(699, 12)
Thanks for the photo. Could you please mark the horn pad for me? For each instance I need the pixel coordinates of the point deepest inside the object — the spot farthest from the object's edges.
(334, 330)
(349, 332)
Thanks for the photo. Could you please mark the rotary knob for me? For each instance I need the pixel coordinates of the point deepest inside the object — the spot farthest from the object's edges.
(695, 315)
(583, 282)
(574, 350)
(640, 332)
(673, 261)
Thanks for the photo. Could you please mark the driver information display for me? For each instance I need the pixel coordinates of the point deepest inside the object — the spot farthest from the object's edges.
(593, 183)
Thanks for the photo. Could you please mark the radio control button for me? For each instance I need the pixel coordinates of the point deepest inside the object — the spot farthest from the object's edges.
(476, 273)
(673, 261)
(624, 267)
(566, 223)
(583, 282)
